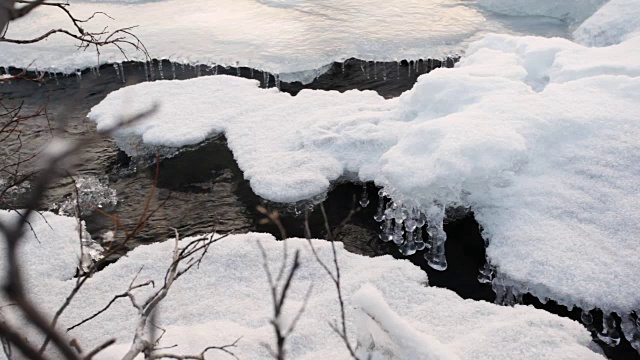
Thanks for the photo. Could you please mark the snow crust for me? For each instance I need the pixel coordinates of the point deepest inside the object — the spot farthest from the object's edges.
(537, 136)
(228, 297)
(288, 37)
(616, 21)
(566, 10)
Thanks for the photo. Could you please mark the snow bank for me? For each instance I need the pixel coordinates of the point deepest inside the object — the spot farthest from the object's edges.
(53, 254)
(280, 37)
(613, 23)
(566, 10)
(228, 297)
(290, 130)
(539, 145)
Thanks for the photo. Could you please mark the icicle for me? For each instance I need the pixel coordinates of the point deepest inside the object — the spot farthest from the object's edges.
(509, 299)
(252, 73)
(183, 67)
(98, 70)
(398, 234)
(146, 74)
(417, 68)
(609, 334)
(420, 244)
(215, 71)
(362, 67)
(152, 73)
(78, 75)
(160, 69)
(408, 68)
(375, 70)
(173, 69)
(265, 77)
(277, 79)
(586, 317)
(198, 70)
(55, 76)
(409, 247)
(379, 216)
(436, 258)
(499, 289)
(387, 230)
(422, 219)
(115, 66)
(410, 223)
(122, 71)
(631, 331)
(384, 71)
(388, 212)
(436, 255)
(343, 65)
(486, 273)
(364, 198)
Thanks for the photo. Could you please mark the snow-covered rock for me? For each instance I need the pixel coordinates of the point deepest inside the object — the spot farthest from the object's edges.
(228, 297)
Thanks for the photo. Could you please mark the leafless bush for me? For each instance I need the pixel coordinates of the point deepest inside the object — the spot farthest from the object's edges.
(279, 292)
(120, 38)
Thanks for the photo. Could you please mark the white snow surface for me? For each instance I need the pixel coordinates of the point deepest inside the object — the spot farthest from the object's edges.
(566, 10)
(56, 237)
(290, 37)
(537, 136)
(228, 297)
(616, 21)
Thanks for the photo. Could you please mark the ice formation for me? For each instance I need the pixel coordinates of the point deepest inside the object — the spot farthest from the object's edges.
(538, 137)
(209, 305)
(291, 38)
(90, 193)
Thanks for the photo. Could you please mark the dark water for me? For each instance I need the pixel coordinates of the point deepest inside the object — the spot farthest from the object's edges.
(204, 190)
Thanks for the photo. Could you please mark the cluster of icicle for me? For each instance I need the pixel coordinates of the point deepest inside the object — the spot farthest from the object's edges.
(404, 224)
(509, 292)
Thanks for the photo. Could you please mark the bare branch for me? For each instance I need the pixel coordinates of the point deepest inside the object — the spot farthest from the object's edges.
(278, 297)
(335, 277)
(96, 39)
(200, 356)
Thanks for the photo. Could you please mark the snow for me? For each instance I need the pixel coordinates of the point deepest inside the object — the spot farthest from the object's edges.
(290, 37)
(538, 145)
(616, 21)
(566, 10)
(57, 238)
(227, 297)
